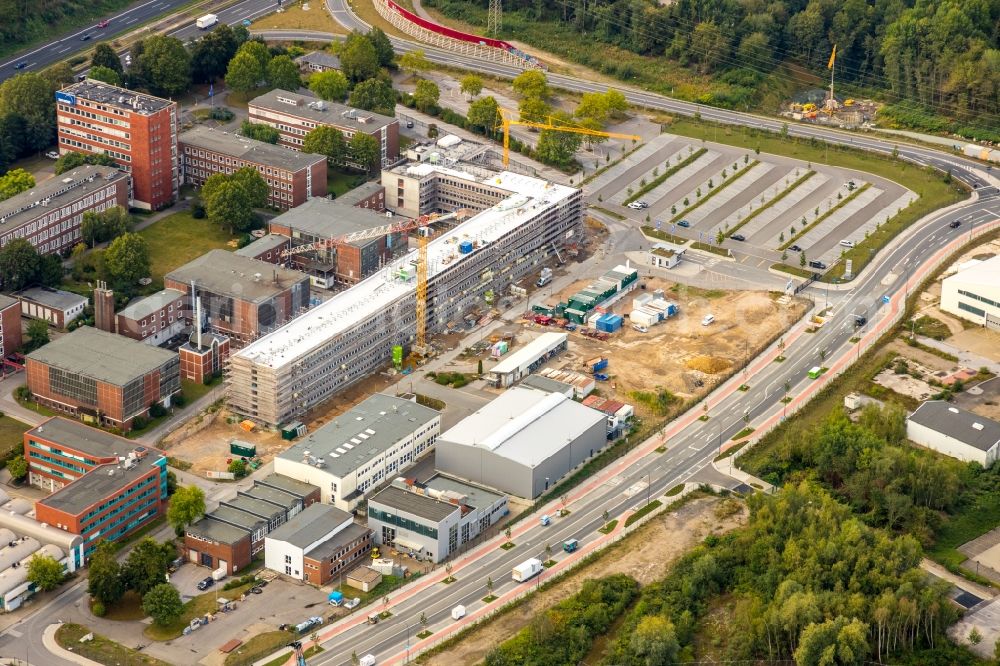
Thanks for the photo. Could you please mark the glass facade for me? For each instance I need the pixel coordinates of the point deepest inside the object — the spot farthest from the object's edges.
(399, 521)
(73, 385)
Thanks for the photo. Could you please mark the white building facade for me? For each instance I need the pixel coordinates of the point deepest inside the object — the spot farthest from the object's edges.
(974, 293)
(954, 432)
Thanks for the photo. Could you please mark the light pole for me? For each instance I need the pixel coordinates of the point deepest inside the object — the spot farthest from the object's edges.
(340, 568)
(408, 628)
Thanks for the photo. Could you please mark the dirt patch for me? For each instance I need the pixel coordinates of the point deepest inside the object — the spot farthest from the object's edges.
(645, 555)
(708, 364)
(982, 341)
(205, 442)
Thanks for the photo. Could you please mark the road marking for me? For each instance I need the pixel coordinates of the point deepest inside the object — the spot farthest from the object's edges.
(63, 50)
(132, 20)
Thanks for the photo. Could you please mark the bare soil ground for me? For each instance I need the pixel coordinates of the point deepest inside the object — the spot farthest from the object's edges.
(680, 354)
(982, 341)
(645, 555)
(204, 442)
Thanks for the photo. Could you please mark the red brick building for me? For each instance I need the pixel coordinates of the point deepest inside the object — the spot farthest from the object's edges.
(50, 214)
(292, 177)
(242, 298)
(102, 377)
(369, 195)
(317, 545)
(269, 249)
(139, 131)
(155, 318)
(296, 114)
(61, 450)
(10, 326)
(200, 361)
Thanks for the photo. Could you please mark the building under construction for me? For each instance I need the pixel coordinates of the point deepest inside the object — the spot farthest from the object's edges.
(352, 335)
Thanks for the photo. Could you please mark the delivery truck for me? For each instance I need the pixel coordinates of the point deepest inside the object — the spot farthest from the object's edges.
(526, 570)
(458, 612)
(207, 21)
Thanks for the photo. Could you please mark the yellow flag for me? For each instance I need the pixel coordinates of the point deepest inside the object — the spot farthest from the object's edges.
(833, 57)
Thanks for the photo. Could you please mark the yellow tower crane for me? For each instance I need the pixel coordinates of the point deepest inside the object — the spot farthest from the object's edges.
(506, 121)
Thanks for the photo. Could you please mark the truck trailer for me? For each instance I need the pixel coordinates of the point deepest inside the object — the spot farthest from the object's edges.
(206, 21)
(526, 570)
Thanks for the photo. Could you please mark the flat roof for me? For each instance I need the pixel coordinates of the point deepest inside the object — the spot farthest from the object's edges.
(546, 384)
(249, 150)
(524, 425)
(217, 531)
(287, 484)
(313, 108)
(476, 496)
(255, 506)
(310, 525)
(360, 193)
(99, 483)
(103, 356)
(328, 219)
(967, 427)
(65, 188)
(363, 432)
(236, 516)
(244, 278)
(273, 495)
(346, 309)
(143, 307)
(985, 274)
(79, 437)
(415, 504)
(120, 98)
(53, 298)
(6, 301)
(262, 245)
(530, 352)
(320, 58)
(337, 542)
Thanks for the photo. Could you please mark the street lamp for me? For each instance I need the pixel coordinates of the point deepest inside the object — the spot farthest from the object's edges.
(408, 628)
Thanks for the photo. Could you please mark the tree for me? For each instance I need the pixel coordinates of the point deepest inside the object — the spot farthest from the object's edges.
(30, 97)
(186, 506)
(231, 207)
(18, 264)
(330, 85)
(104, 580)
(109, 76)
(426, 95)
(260, 132)
(146, 565)
(383, 47)
(616, 103)
(211, 54)
(163, 604)
(14, 182)
(374, 95)
(531, 83)
(414, 62)
(593, 106)
(106, 225)
(259, 51)
(483, 113)
(72, 160)
(713, 47)
(38, 334)
(719, 237)
(127, 259)
(59, 75)
(238, 468)
(11, 138)
(50, 270)
(555, 147)
(45, 572)
(365, 151)
(244, 73)
(358, 59)
(105, 56)
(471, 85)
(533, 109)
(18, 467)
(166, 64)
(329, 141)
(655, 641)
(802, 259)
(254, 184)
(837, 642)
(282, 72)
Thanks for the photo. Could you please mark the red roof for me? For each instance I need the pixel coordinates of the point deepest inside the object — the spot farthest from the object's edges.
(606, 405)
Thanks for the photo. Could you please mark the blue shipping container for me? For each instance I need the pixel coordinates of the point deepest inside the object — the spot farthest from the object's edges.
(465, 247)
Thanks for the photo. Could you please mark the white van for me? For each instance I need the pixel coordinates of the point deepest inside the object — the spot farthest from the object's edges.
(367, 660)
(708, 319)
(847, 243)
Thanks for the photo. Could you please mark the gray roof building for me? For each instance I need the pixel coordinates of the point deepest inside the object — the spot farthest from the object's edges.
(143, 307)
(313, 108)
(257, 507)
(272, 495)
(336, 543)
(319, 61)
(117, 98)
(249, 150)
(53, 298)
(475, 496)
(360, 193)
(79, 437)
(263, 244)
(323, 218)
(967, 427)
(310, 525)
(548, 385)
(22, 208)
(99, 484)
(237, 517)
(236, 276)
(215, 530)
(6, 301)
(422, 506)
(288, 485)
(103, 356)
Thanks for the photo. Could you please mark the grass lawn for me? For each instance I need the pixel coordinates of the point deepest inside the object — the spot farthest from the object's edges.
(663, 235)
(294, 17)
(676, 490)
(652, 506)
(388, 584)
(36, 407)
(260, 646)
(179, 238)
(714, 249)
(609, 528)
(197, 607)
(338, 181)
(195, 390)
(931, 328)
(128, 609)
(11, 435)
(101, 649)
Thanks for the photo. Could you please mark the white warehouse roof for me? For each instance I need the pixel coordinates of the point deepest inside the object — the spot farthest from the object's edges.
(525, 356)
(982, 274)
(525, 425)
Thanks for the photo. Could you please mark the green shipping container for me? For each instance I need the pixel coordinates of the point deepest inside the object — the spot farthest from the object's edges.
(243, 449)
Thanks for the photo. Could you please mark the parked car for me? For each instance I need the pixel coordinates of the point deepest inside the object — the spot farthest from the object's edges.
(21, 65)
(684, 223)
(956, 224)
(795, 248)
(638, 205)
(640, 328)
(817, 264)
(738, 237)
(206, 583)
(409, 124)
(52, 154)
(257, 589)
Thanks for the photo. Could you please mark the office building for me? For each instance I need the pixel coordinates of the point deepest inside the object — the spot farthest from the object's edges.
(292, 177)
(522, 442)
(435, 519)
(111, 501)
(230, 536)
(10, 326)
(420, 189)
(156, 318)
(295, 114)
(55, 306)
(352, 335)
(369, 444)
(137, 130)
(102, 377)
(49, 215)
(317, 545)
(954, 432)
(60, 451)
(974, 293)
(366, 195)
(268, 248)
(241, 298)
(318, 222)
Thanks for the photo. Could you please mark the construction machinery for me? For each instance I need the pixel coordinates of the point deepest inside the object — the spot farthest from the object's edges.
(422, 225)
(507, 121)
(300, 657)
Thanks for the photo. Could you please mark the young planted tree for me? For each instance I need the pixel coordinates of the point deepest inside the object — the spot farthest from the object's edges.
(186, 506)
(163, 604)
(45, 572)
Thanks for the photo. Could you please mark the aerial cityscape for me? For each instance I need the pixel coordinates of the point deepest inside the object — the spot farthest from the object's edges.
(377, 332)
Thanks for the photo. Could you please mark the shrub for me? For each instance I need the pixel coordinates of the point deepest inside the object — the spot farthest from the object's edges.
(98, 609)
(156, 410)
(221, 113)
(179, 400)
